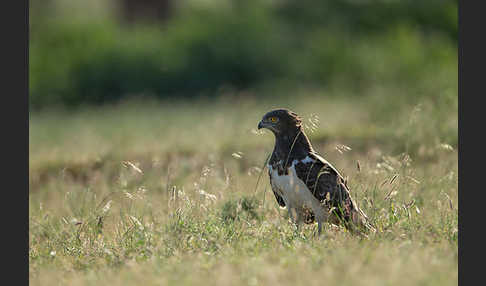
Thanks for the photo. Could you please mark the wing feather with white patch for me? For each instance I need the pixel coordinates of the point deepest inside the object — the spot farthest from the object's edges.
(326, 184)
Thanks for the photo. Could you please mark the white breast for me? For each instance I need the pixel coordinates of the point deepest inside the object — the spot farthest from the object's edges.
(292, 189)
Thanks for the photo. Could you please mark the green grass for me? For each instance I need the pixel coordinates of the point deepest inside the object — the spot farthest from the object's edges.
(95, 219)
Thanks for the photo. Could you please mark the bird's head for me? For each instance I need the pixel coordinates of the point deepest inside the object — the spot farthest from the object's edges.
(281, 121)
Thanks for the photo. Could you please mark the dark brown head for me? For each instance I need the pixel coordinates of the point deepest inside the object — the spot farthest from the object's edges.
(281, 121)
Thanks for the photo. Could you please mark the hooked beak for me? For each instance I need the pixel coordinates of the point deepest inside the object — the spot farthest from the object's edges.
(261, 125)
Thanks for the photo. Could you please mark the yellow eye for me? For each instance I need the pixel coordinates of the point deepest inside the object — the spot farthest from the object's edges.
(273, 119)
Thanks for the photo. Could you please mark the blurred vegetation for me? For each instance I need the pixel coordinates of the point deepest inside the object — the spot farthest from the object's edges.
(132, 190)
(84, 53)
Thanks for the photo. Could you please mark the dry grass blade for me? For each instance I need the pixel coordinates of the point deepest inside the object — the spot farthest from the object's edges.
(131, 165)
(106, 198)
(254, 170)
(391, 194)
(393, 179)
(264, 193)
(107, 207)
(136, 222)
(313, 123)
(342, 148)
(450, 201)
(411, 203)
(291, 148)
(446, 147)
(257, 132)
(237, 155)
(261, 172)
(383, 183)
(413, 180)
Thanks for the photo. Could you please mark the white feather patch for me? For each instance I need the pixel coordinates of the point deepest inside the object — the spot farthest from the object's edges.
(292, 189)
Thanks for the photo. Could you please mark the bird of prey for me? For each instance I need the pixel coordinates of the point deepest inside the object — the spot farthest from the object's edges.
(305, 183)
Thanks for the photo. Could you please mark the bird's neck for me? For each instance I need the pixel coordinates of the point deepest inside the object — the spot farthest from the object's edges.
(291, 146)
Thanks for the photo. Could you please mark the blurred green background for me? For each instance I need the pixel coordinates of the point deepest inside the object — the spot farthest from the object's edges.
(101, 51)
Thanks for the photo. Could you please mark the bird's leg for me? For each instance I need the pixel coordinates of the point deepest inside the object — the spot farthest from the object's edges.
(291, 214)
(299, 219)
(320, 216)
(319, 229)
(294, 217)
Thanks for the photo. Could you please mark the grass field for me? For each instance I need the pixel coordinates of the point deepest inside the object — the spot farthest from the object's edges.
(158, 193)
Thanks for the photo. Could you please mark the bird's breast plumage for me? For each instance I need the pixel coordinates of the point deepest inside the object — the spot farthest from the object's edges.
(289, 185)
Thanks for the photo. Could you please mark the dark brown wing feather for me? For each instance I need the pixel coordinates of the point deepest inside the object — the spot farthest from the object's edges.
(330, 188)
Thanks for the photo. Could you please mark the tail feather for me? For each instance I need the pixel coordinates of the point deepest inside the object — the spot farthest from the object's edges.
(360, 222)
